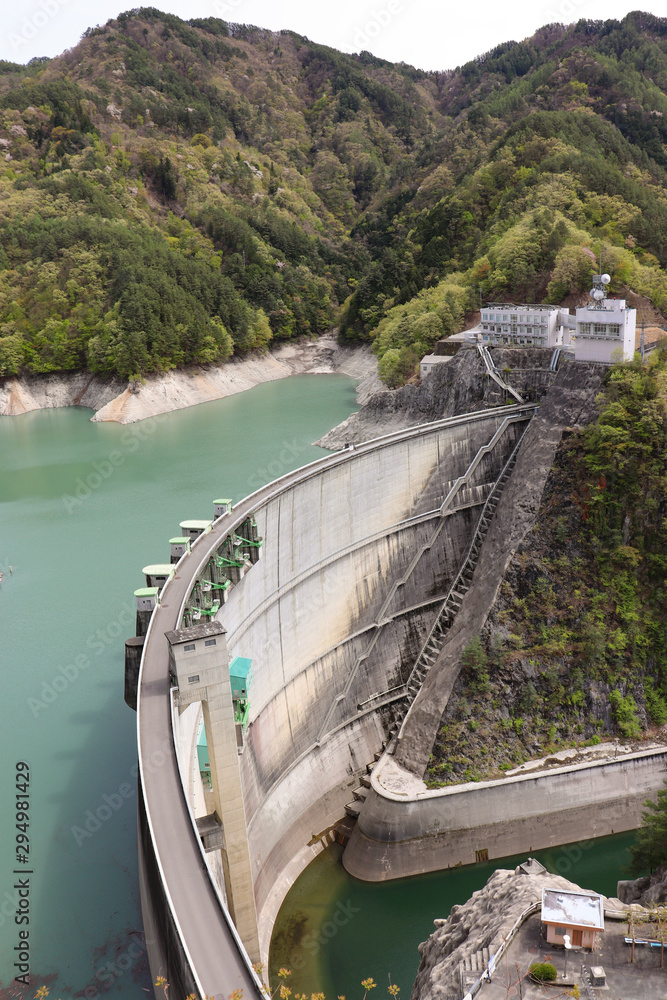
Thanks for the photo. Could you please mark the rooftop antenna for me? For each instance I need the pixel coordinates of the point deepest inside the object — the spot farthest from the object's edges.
(599, 290)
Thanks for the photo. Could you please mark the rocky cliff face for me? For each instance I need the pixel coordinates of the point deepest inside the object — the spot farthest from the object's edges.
(648, 891)
(458, 385)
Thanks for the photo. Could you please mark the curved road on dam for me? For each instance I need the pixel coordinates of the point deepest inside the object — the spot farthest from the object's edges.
(216, 957)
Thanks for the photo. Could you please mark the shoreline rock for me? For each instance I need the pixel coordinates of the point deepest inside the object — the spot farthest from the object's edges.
(113, 400)
(647, 891)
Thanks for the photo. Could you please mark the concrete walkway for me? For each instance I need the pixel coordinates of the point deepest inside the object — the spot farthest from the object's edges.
(643, 980)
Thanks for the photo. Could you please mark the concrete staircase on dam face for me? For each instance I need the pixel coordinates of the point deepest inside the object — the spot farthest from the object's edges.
(438, 634)
(456, 497)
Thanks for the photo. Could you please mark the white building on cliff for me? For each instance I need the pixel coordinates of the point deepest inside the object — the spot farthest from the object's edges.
(605, 329)
(504, 323)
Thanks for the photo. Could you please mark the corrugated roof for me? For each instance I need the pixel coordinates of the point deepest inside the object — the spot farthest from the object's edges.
(202, 631)
(574, 909)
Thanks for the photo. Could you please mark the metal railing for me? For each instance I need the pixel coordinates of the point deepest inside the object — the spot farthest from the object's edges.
(381, 620)
(506, 942)
(461, 584)
(495, 374)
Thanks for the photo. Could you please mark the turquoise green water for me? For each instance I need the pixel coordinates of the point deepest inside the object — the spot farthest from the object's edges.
(333, 930)
(83, 507)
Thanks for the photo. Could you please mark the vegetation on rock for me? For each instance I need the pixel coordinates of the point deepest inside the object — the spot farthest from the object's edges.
(575, 648)
(650, 847)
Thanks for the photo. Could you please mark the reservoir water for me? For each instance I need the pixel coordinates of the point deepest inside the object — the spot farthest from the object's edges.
(83, 507)
(333, 930)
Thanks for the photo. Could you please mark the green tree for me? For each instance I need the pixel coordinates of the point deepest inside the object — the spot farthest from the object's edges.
(397, 365)
(11, 354)
(650, 847)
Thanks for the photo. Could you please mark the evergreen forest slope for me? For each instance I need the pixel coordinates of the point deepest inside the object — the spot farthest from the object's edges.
(174, 192)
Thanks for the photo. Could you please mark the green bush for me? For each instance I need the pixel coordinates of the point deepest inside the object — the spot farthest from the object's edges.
(656, 705)
(625, 715)
(544, 972)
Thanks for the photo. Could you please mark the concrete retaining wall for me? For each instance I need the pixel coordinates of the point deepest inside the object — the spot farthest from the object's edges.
(327, 628)
(445, 827)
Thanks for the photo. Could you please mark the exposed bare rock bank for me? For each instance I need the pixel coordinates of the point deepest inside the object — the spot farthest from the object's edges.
(115, 401)
(456, 386)
(483, 922)
(40, 392)
(648, 891)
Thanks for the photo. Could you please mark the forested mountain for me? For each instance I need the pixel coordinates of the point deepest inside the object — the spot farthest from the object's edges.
(173, 192)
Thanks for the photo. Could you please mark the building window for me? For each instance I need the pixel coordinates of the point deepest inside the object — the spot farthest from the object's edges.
(209, 642)
(188, 649)
(584, 328)
(560, 931)
(194, 679)
(614, 330)
(529, 329)
(600, 329)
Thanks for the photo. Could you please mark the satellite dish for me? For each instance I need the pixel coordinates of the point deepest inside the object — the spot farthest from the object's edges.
(596, 293)
(605, 279)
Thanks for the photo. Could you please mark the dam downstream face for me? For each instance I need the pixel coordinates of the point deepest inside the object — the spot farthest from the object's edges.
(84, 506)
(333, 931)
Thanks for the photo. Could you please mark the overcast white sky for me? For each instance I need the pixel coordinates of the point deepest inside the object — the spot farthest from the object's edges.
(426, 33)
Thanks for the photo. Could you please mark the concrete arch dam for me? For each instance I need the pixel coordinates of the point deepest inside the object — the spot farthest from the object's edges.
(360, 549)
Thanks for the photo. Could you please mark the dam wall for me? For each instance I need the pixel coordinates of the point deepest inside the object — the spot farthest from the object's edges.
(357, 559)
(403, 833)
(359, 549)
